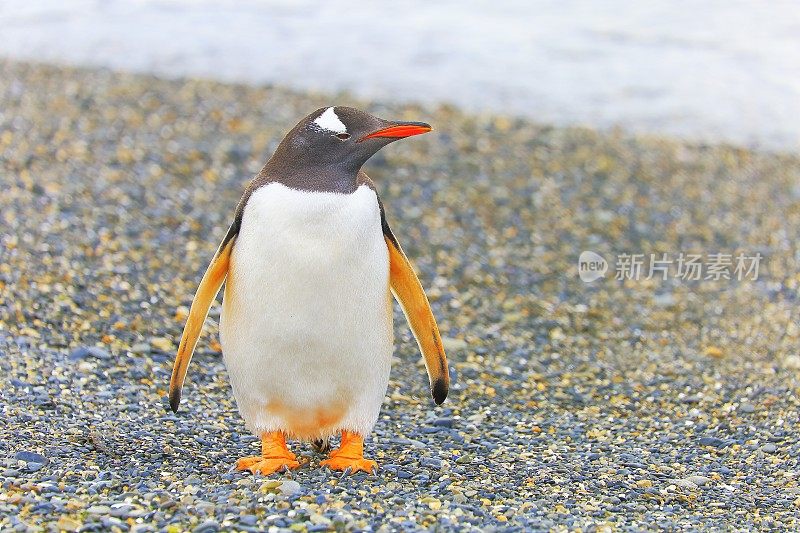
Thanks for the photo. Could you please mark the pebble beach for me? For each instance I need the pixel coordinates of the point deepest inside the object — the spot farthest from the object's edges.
(632, 404)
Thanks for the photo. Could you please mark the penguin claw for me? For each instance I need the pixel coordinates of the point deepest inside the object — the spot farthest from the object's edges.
(350, 465)
(349, 457)
(275, 456)
(266, 465)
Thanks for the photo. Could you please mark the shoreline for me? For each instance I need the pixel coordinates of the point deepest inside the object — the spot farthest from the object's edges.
(347, 98)
(725, 71)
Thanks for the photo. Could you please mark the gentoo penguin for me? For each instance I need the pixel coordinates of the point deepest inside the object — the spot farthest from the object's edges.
(306, 325)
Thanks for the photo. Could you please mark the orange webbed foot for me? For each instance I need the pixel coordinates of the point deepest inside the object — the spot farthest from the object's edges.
(351, 464)
(275, 456)
(349, 457)
(266, 466)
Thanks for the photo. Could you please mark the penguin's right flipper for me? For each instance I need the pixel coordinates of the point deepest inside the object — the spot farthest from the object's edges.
(209, 287)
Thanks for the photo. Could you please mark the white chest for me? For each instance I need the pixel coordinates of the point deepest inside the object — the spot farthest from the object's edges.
(306, 318)
(298, 234)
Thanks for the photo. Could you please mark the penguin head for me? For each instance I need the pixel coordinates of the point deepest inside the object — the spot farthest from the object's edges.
(340, 139)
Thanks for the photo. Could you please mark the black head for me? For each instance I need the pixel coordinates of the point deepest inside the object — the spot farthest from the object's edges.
(325, 150)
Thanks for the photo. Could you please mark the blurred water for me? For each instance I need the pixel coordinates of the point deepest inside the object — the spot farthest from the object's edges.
(712, 70)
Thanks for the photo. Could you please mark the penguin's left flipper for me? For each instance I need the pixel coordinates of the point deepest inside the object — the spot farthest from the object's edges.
(409, 293)
(209, 287)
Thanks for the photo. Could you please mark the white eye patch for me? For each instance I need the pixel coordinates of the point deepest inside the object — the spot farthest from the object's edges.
(329, 120)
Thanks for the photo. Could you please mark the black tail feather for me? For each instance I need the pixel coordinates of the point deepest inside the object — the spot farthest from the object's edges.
(321, 445)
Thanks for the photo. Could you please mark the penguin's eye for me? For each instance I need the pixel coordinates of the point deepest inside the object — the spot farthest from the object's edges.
(342, 136)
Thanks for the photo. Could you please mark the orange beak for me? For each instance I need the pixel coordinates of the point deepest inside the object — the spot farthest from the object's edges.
(398, 131)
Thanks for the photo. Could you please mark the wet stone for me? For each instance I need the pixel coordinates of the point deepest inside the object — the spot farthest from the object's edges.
(84, 352)
(713, 441)
(31, 457)
(208, 526)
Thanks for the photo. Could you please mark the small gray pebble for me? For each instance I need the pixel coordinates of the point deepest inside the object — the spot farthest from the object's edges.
(712, 441)
(209, 526)
(747, 407)
(82, 352)
(31, 457)
(699, 480)
(290, 487)
(248, 520)
(140, 347)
